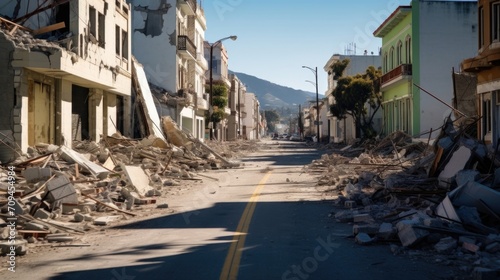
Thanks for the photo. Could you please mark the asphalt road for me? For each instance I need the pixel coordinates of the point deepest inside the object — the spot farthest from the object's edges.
(267, 220)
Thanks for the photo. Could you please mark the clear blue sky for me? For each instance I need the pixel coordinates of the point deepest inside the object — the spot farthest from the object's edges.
(277, 37)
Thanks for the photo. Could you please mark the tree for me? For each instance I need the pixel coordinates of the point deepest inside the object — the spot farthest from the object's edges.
(338, 68)
(219, 101)
(352, 96)
(272, 118)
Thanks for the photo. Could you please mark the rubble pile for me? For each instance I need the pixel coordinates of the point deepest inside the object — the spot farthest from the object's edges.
(441, 200)
(55, 193)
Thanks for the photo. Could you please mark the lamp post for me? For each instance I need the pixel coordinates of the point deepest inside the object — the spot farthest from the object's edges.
(315, 71)
(210, 107)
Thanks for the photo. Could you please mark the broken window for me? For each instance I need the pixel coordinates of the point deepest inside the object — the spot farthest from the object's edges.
(495, 21)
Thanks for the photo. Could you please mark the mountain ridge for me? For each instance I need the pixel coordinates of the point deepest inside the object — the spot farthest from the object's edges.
(272, 95)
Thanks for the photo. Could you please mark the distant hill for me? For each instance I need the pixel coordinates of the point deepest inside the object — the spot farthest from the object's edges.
(271, 95)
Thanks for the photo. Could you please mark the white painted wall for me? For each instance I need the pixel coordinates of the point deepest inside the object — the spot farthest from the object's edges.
(448, 34)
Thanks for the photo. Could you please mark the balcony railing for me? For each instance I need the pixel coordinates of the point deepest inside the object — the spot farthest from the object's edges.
(401, 70)
(188, 6)
(185, 45)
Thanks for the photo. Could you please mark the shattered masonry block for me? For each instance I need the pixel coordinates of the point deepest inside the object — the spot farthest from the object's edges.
(470, 246)
(345, 216)
(34, 226)
(360, 218)
(102, 221)
(61, 189)
(35, 174)
(457, 162)
(365, 228)
(482, 273)
(350, 204)
(408, 235)
(433, 222)
(386, 231)
(493, 248)
(465, 176)
(446, 245)
(363, 239)
(42, 214)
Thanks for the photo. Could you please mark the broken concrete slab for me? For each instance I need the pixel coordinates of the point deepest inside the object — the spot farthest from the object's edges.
(60, 189)
(409, 236)
(59, 238)
(446, 210)
(365, 228)
(446, 245)
(386, 231)
(474, 194)
(103, 221)
(465, 176)
(362, 218)
(147, 102)
(19, 245)
(363, 239)
(137, 178)
(72, 156)
(79, 217)
(36, 174)
(458, 161)
(42, 214)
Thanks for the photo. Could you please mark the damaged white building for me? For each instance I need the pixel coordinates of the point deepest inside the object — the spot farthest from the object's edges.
(65, 72)
(168, 41)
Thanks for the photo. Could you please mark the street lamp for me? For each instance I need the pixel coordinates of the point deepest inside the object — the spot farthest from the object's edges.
(315, 71)
(210, 108)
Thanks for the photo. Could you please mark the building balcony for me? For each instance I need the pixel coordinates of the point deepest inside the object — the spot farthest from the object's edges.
(186, 47)
(202, 102)
(401, 72)
(188, 7)
(202, 61)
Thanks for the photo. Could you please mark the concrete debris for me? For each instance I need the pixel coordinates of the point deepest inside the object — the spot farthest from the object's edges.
(441, 197)
(69, 190)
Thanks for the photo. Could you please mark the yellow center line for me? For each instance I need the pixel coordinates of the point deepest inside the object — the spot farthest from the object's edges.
(232, 262)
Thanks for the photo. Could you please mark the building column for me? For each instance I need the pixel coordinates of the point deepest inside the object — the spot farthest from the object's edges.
(96, 114)
(64, 113)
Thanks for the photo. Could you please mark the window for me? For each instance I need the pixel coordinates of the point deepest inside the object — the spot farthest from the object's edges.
(399, 54)
(117, 39)
(386, 69)
(92, 22)
(495, 21)
(408, 49)
(124, 44)
(97, 27)
(102, 30)
(391, 58)
(481, 27)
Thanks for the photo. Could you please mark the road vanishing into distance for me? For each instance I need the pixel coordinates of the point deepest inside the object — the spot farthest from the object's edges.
(266, 220)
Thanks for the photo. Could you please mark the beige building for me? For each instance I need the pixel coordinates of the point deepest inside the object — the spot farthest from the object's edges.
(73, 82)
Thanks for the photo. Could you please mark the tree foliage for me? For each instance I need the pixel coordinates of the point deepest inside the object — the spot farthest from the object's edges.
(272, 118)
(353, 95)
(219, 100)
(338, 68)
